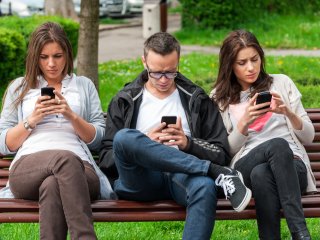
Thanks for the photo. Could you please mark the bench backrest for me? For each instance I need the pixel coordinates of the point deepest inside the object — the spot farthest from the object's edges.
(313, 151)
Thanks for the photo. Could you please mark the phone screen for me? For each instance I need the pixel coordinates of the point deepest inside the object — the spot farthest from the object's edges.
(48, 91)
(169, 120)
(264, 97)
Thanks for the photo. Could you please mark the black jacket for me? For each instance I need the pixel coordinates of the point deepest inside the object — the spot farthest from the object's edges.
(208, 135)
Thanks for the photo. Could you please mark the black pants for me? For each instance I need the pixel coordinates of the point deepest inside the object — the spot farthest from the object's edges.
(277, 181)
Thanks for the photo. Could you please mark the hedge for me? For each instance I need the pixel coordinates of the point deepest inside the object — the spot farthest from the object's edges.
(12, 52)
(217, 14)
(14, 38)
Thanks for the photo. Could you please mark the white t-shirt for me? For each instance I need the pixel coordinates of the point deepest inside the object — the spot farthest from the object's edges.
(54, 131)
(152, 109)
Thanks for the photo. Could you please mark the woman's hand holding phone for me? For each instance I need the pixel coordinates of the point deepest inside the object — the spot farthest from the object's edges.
(264, 97)
(278, 106)
(59, 105)
(253, 111)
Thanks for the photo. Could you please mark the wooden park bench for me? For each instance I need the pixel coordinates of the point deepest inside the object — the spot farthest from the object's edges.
(18, 210)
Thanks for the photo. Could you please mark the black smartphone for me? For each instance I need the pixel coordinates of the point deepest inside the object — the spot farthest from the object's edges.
(264, 97)
(169, 120)
(48, 91)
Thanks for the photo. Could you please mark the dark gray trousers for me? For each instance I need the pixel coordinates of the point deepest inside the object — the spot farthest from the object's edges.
(277, 180)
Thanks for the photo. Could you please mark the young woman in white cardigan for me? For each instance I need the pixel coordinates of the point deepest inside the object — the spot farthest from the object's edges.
(265, 139)
(51, 138)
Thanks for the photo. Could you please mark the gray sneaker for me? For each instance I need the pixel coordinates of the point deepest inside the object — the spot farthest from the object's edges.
(234, 189)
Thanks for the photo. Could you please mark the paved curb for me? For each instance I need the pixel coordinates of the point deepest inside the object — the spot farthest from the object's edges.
(135, 22)
(118, 26)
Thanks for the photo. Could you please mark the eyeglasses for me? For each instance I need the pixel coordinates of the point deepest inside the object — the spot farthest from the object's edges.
(158, 75)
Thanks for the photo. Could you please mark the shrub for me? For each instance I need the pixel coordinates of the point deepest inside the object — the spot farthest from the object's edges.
(12, 52)
(217, 14)
(27, 25)
(14, 38)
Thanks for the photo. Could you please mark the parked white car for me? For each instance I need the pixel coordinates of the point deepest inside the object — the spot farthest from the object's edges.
(102, 7)
(22, 8)
(124, 7)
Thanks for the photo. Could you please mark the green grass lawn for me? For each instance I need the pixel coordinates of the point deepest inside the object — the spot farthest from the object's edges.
(203, 70)
(224, 230)
(272, 31)
(107, 20)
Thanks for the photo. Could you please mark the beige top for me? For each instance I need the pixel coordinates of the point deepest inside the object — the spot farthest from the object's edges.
(291, 96)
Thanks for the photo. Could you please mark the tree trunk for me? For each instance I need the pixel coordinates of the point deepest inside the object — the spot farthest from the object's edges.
(87, 63)
(63, 8)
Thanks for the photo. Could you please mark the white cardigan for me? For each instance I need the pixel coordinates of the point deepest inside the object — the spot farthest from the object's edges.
(291, 96)
(90, 111)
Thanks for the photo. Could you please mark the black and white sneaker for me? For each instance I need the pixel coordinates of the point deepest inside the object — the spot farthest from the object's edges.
(234, 189)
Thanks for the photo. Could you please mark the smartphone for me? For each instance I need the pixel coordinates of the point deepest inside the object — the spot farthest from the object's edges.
(48, 91)
(169, 120)
(264, 97)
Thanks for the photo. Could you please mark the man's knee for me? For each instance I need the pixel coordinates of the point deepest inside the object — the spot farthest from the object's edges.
(124, 136)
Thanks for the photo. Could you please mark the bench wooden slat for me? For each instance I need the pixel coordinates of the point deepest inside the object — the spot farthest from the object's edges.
(19, 217)
(4, 173)
(314, 156)
(315, 117)
(3, 182)
(315, 166)
(317, 175)
(312, 147)
(4, 163)
(316, 137)
(316, 126)
(138, 216)
(313, 110)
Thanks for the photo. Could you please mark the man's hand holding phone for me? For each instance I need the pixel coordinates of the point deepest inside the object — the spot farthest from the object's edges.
(169, 120)
(156, 133)
(169, 132)
(173, 133)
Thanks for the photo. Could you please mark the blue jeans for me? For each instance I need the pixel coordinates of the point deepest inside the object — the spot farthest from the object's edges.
(150, 171)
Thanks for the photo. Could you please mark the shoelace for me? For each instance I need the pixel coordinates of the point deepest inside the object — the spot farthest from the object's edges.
(225, 181)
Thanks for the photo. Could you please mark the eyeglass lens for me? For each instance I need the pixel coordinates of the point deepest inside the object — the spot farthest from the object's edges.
(158, 75)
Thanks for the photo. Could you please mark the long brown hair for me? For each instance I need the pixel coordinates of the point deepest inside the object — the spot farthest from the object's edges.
(227, 88)
(46, 33)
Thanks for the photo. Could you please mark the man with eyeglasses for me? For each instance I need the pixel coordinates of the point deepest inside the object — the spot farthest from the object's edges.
(141, 146)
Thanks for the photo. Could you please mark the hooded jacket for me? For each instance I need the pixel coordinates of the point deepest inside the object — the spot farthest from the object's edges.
(208, 135)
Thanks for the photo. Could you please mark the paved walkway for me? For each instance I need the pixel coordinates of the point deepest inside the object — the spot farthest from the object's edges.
(125, 41)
